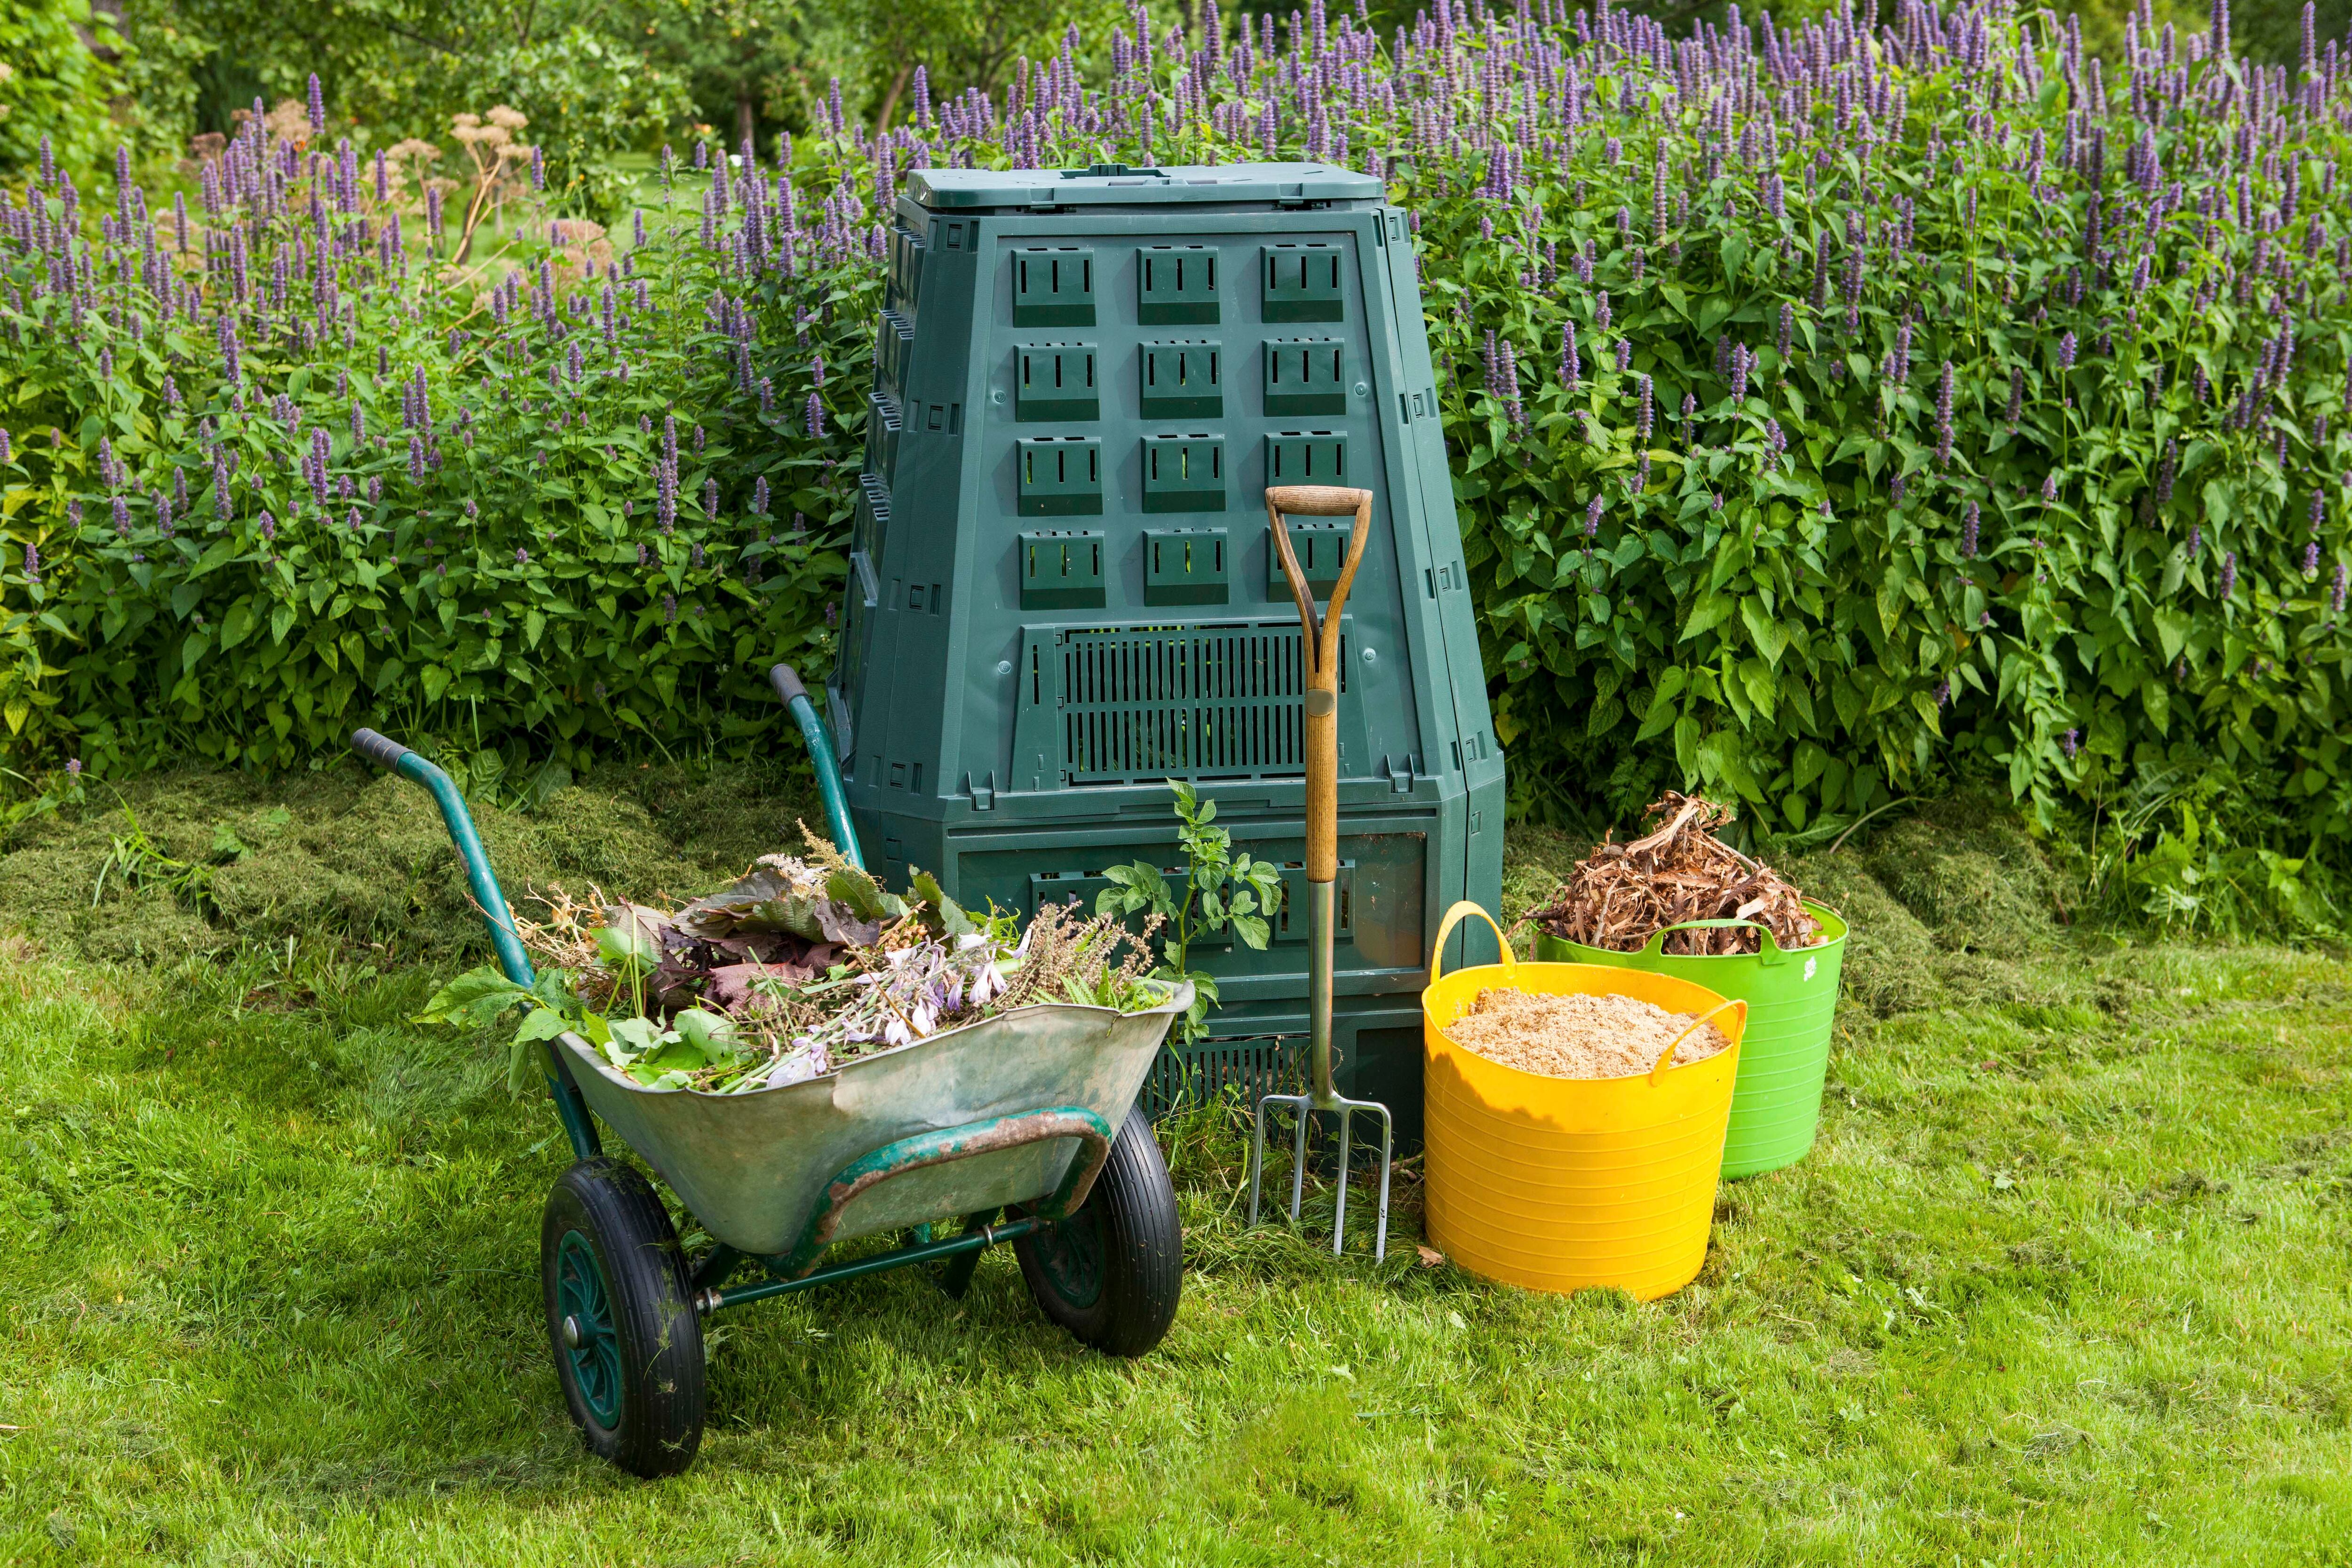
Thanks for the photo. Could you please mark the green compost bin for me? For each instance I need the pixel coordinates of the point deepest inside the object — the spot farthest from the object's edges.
(1792, 997)
(1062, 592)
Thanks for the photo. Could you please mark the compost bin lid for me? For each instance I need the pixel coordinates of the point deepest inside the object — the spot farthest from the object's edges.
(1117, 184)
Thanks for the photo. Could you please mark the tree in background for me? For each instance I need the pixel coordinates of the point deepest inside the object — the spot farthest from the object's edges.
(59, 70)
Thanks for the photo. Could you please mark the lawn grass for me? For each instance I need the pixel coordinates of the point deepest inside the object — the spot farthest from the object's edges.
(2064, 1281)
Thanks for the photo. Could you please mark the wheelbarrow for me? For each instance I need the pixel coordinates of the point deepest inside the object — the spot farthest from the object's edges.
(1021, 1128)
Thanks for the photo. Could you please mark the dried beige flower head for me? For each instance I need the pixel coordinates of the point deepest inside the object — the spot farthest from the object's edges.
(289, 122)
(511, 119)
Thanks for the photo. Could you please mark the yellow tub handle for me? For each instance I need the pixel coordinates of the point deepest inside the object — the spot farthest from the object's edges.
(1445, 928)
(1666, 1060)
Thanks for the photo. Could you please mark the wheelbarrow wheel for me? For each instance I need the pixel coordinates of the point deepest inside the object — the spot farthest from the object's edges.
(1111, 1272)
(620, 1318)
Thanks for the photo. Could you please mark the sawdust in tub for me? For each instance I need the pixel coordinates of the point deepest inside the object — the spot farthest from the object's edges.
(1578, 1035)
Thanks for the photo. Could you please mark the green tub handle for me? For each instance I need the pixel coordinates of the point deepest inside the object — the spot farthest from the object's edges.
(1773, 952)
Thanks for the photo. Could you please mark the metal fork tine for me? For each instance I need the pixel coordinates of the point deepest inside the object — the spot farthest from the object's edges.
(1298, 1161)
(1339, 1203)
(1257, 1156)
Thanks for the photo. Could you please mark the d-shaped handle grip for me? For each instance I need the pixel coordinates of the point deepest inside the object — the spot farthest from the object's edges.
(1317, 500)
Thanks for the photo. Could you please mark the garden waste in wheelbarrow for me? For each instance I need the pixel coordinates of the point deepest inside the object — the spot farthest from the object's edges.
(1020, 1127)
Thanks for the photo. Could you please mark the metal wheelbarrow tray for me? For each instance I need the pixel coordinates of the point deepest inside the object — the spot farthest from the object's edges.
(1020, 1128)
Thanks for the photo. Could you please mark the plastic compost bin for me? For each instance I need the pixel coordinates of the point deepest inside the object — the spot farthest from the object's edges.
(1061, 592)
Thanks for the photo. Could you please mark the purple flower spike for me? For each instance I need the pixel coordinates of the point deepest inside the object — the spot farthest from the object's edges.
(2229, 573)
(2050, 488)
(317, 107)
(1969, 518)
(32, 563)
(815, 414)
(2310, 561)
(2070, 742)
(1592, 518)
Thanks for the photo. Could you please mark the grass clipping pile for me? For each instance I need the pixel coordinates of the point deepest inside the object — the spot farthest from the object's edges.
(1624, 895)
(1578, 1035)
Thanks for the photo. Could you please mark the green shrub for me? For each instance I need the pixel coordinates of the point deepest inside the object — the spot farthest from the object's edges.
(1940, 401)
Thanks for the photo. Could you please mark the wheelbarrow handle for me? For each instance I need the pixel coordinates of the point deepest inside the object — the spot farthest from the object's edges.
(795, 698)
(483, 883)
(381, 749)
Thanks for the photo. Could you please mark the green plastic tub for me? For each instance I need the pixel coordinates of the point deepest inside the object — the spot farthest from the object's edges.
(1791, 1000)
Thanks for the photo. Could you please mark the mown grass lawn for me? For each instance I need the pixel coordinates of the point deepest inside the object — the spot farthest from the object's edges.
(2059, 1285)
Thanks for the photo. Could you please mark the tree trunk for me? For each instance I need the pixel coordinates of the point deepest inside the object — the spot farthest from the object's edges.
(891, 99)
(747, 118)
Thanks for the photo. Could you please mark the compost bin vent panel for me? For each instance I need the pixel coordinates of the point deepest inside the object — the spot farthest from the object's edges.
(1140, 704)
(1241, 1070)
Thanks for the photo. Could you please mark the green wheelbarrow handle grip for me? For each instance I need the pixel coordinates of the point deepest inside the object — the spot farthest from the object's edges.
(795, 698)
(483, 883)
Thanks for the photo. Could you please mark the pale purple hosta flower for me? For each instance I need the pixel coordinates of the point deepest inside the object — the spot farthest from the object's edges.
(2229, 573)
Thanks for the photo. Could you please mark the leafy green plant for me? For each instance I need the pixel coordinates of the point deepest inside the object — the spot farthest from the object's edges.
(1213, 891)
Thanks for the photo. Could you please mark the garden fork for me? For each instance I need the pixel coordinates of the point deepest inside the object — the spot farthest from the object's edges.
(1319, 648)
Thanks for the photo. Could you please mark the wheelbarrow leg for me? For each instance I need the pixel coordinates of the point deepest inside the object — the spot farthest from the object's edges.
(955, 1275)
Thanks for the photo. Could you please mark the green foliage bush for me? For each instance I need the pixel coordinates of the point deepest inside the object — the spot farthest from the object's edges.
(53, 86)
(398, 493)
(1941, 401)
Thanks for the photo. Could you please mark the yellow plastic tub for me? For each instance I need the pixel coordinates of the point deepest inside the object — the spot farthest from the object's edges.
(1560, 1184)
